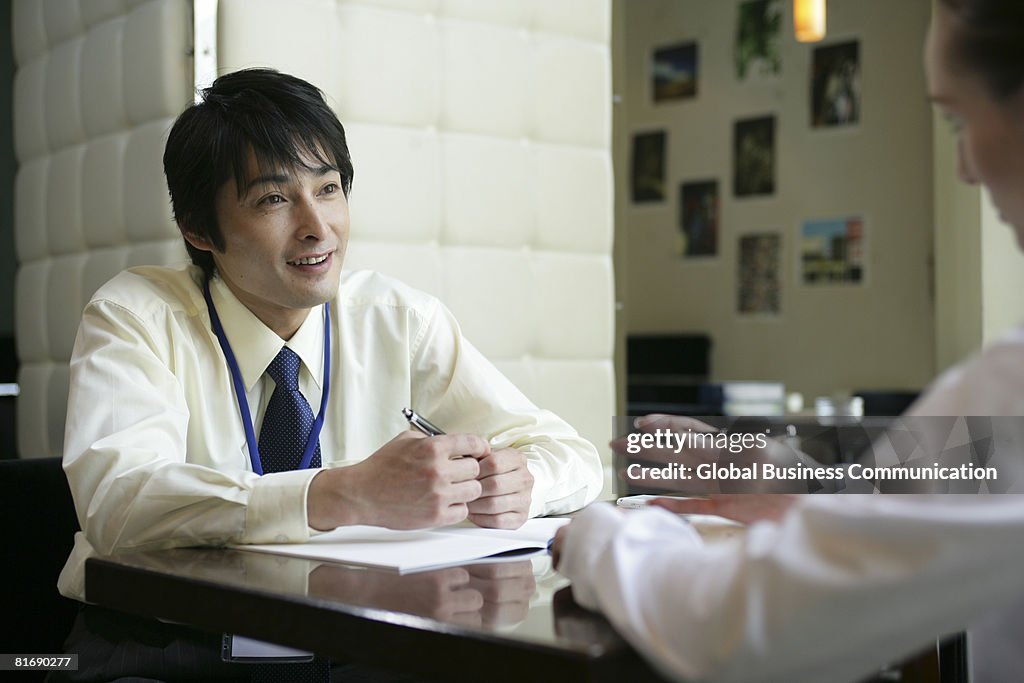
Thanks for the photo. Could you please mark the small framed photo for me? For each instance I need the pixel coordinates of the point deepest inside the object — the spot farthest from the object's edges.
(832, 251)
(754, 156)
(698, 218)
(758, 29)
(758, 276)
(648, 167)
(835, 85)
(674, 71)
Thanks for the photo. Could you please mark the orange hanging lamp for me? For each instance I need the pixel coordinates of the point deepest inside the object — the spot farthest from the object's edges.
(809, 20)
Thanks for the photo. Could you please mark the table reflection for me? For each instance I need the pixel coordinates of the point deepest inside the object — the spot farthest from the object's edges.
(443, 621)
(491, 595)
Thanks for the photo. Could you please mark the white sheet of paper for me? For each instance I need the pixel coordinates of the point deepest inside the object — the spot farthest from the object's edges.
(406, 551)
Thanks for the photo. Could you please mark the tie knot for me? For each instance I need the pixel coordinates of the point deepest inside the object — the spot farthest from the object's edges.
(285, 369)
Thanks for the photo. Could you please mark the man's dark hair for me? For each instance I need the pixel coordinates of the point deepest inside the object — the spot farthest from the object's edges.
(281, 120)
(990, 40)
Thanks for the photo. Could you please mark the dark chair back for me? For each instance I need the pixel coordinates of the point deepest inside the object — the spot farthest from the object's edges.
(37, 516)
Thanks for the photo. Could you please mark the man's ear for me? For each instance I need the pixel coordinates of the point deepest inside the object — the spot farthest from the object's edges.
(198, 241)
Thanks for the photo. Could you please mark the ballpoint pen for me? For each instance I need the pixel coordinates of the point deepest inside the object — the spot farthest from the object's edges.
(421, 423)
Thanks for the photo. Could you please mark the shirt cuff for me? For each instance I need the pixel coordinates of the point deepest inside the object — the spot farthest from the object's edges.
(589, 534)
(600, 533)
(276, 512)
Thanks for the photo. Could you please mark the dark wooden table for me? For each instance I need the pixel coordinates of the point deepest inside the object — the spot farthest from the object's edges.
(496, 622)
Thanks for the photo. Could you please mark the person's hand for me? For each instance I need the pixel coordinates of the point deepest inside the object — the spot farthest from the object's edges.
(506, 489)
(650, 424)
(441, 594)
(698, 455)
(742, 507)
(412, 482)
(648, 457)
(558, 543)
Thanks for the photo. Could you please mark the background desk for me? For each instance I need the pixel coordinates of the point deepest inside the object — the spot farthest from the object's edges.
(400, 622)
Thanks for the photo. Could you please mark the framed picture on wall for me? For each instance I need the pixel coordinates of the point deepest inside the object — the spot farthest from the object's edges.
(832, 251)
(698, 218)
(754, 156)
(758, 274)
(758, 28)
(835, 85)
(648, 167)
(674, 71)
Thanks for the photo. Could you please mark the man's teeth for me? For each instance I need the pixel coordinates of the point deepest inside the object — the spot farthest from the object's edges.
(312, 260)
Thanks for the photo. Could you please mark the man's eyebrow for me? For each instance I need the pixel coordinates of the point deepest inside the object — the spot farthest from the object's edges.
(271, 178)
(325, 169)
(284, 178)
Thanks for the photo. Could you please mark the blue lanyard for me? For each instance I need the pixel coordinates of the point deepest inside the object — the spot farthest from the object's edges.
(243, 404)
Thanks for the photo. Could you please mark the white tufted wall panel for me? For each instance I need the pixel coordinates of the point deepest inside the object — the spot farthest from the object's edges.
(98, 85)
(480, 135)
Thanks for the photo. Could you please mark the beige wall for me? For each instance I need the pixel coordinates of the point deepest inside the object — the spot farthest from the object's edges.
(827, 338)
(1002, 274)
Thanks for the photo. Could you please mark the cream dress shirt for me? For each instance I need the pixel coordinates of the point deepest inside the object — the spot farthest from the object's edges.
(843, 585)
(154, 445)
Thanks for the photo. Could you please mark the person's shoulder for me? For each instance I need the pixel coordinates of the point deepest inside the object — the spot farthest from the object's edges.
(991, 382)
(1000, 363)
(361, 288)
(143, 290)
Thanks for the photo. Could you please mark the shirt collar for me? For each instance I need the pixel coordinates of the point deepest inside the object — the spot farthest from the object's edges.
(255, 345)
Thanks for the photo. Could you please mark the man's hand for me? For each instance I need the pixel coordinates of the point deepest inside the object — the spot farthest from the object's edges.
(506, 588)
(475, 595)
(506, 489)
(412, 482)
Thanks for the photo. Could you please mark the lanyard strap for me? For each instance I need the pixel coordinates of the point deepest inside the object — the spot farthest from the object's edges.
(243, 404)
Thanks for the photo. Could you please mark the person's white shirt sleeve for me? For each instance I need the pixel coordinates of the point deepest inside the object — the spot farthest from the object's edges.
(841, 587)
(125, 453)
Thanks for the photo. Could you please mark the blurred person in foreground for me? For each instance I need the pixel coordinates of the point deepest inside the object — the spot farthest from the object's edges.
(833, 587)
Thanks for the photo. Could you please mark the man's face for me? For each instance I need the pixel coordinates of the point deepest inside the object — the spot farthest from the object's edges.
(285, 235)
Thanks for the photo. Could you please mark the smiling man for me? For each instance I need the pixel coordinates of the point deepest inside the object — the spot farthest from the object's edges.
(255, 395)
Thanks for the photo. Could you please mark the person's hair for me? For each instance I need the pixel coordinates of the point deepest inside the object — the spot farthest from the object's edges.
(990, 41)
(282, 121)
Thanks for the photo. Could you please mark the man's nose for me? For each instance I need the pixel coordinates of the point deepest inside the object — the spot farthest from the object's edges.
(963, 166)
(313, 222)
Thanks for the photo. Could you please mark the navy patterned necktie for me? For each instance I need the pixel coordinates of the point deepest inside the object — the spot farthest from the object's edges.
(288, 419)
(283, 439)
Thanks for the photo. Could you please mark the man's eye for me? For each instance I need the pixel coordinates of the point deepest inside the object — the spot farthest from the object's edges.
(330, 188)
(272, 199)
